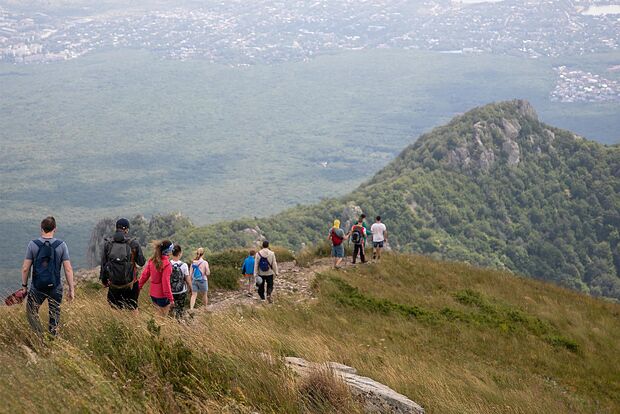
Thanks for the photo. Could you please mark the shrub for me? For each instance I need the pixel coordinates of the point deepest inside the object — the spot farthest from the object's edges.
(225, 277)
(322, 392)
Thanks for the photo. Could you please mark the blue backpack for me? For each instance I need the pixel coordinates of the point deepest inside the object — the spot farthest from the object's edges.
(196, 273)
(46, 269)
(263, 263)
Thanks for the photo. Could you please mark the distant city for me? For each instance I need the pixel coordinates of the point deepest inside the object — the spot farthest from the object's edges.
(264, 31)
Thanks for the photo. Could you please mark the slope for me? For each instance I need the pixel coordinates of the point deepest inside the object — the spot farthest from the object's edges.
(455, 338)
(494, 187)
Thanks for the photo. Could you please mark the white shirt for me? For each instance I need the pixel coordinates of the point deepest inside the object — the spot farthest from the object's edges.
(377, 231)
(184, 271)
(184, 268)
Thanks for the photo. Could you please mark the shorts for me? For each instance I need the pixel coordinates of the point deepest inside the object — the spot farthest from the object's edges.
(378, 244)
(200, 286)
(161, 302)
(338, 251)
(126, 298)
(248, 275)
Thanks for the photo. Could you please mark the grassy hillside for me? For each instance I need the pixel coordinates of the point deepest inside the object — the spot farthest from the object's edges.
(494, 187)
(454, 338)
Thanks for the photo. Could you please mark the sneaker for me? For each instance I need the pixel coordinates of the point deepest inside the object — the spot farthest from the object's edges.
(269, 299)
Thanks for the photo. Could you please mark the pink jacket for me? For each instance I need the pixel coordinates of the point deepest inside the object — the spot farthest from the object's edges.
(160, 281)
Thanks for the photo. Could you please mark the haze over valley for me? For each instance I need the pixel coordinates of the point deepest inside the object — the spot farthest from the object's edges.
(173, 106)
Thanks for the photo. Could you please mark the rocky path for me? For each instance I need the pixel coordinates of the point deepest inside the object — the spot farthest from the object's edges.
(294, 282)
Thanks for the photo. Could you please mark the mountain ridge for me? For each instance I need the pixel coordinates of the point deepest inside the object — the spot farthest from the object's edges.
(493, 187)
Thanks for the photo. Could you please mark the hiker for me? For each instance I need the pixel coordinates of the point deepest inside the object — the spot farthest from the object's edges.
(247, 270)
(365, 225)
(46, 256)
(265, 268)
(159, 270)
(337, 237)
(379, 237)
(200, 278)
(119, 273)
(180, 281)
(356, 236)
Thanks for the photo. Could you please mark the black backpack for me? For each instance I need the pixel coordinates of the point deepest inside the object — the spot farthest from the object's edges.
(357, 237)
(120, 267)
(46, 269)
(177, 279)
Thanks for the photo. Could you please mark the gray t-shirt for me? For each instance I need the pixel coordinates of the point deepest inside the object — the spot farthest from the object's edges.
(62, 251)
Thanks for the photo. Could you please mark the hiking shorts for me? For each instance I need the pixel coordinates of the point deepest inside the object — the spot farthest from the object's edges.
(338, 251)
(200, 286)
(161, 302)
(378, 244)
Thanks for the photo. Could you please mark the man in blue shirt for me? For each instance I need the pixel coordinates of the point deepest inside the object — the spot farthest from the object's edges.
(53, 290)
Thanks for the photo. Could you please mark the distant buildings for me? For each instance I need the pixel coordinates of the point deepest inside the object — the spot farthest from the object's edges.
(579, 86)
(266, 31)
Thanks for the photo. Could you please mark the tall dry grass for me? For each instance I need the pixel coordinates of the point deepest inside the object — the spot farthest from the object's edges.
(454, 338)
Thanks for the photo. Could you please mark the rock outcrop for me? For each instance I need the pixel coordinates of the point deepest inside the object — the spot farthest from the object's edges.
(349, 216)
(376, 397)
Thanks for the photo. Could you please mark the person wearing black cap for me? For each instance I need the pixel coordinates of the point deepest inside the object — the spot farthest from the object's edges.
(119, 272)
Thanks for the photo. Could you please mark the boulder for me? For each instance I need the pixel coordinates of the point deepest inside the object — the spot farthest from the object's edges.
(376, 397)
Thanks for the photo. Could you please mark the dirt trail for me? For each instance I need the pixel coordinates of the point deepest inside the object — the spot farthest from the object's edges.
(293, 282)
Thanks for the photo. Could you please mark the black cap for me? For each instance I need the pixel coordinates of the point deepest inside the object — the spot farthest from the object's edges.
(122, 224)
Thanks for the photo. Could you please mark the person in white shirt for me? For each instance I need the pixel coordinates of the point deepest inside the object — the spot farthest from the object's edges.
(180, 288)
(379, 237)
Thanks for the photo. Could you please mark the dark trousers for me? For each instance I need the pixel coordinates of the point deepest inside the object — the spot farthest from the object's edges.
(34, 302)
(261, 288)
(126, 298)
(179, 305)
(359, 248)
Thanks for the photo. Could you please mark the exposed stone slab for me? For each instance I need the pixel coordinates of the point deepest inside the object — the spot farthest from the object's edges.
(376, 397)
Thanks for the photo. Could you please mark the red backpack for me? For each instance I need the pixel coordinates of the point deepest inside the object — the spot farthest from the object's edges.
(336, 240)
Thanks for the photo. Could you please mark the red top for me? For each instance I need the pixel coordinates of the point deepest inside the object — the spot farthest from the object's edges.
(160, 281)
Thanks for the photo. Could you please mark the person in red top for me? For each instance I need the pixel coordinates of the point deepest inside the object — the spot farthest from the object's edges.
(159, 269)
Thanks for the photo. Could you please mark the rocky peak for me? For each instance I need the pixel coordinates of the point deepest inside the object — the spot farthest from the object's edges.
(495, 135)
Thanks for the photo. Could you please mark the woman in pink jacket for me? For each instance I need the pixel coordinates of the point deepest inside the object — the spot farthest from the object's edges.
(159, 269)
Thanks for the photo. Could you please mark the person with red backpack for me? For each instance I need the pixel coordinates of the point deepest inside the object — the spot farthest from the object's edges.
(337, 238)
(46, 256)
(357, 236)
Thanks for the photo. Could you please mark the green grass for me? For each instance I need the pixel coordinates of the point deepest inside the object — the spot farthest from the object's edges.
(452, 337)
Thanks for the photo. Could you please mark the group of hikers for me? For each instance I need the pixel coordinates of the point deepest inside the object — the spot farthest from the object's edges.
(358, 235)
(171, 279)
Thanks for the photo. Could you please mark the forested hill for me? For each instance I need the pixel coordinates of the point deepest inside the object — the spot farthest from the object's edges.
(494, 187)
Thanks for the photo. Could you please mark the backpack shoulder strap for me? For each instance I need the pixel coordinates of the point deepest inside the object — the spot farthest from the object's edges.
(56, 244)
(38, 243)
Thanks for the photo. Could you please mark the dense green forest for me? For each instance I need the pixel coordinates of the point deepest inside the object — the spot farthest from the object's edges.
(494, 187)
